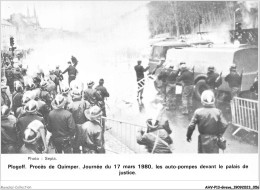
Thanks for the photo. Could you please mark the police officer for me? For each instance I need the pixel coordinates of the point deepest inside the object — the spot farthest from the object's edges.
(234, 81)
(211, 124)
(187, 78)
(213, 80)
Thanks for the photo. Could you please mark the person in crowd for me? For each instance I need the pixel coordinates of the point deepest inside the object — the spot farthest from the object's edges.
(27, 96)
(55, 79)
(18, 75)
(157, 137)
(213, 79)
(44, 95)
(8, 131)
(34, 139)
(91, 140)
(140, 70)
(91, 95)
(187, 78)
(17, 97)
(234, 81)
(31, 114)
(77, 108)
(51, 87)
(30, 86)
(59, 75)
(61, 125)
(72, 72)
(9, 73)
(5, 100)
(171, 87)
(162, 83)
(211, 124)
(254, 88)
(104, 94)
(65, 90)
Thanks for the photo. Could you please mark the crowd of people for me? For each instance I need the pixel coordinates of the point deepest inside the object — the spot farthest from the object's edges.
(42, 114)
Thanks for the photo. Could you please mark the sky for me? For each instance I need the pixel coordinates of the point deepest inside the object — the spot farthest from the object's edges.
(71, 15)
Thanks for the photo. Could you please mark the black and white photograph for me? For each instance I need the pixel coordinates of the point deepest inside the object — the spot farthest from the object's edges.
(129, 77)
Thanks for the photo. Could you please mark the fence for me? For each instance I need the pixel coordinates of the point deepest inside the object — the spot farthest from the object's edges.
(125, 132)
(244, 114)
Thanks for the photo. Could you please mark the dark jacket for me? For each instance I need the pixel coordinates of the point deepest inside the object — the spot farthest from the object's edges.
(8, 131)
(92, 96)
(139, 69)
(103, 91)
(71, 71)
(77, 108)
(186, 77)
(212, 81)
(211, 124)
(24, 120)
(233, 79)
(5, 99)
(172, 76)
(18, 76)
(17, 101)
(45, 96)
(91, 138)
(148, 139)
(61, 123)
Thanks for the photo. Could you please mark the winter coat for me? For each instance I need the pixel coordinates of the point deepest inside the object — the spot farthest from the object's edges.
(24, 120)
(5, 99)
(149, 138)
(211, 124)
(186, 77)
(103, 92)
(211, 80)
(91, 137)
(8, 130)
(233, 79)
(77, 108)
(139, 69)
(92, 96)
(17, 101)
(72, 71)
(61, 123)
(172, 76)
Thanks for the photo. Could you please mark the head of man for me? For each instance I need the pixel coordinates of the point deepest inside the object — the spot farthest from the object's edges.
(152, 124)
(101, 82)
(93, 114)
(59, 102)
(208, 98)
(139, 62)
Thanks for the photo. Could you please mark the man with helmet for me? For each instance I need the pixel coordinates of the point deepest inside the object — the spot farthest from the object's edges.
(213, 79)
(17, 97)
(5, 100)
(65, 89)
(211, 124)
(34, 139)
(61, 125)
(91, 94)
(77, 108)
(8, 131)
(27, 96)
(31, 114)
(157, 137)
(44, 95)
(91, 132)
(17, 75)
(234, 81)
(187, 78)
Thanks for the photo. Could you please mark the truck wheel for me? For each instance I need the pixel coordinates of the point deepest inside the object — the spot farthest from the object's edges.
(200, 87)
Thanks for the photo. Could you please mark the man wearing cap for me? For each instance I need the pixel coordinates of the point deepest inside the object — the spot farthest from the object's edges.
(31, 114)
(5, 100)
(187, 79)
(139, 69)
(34, 139)
(77, 108)
(103, 93)
(156, 139)
(91, 139)
(91, 95)
(72, 72)
(211, 124)
(234, 81)
(61, 125)
(8, 131)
